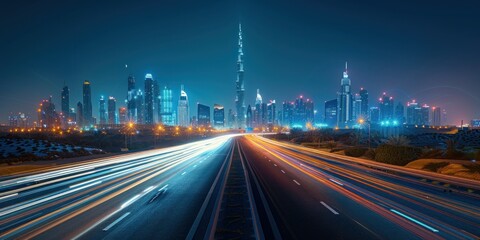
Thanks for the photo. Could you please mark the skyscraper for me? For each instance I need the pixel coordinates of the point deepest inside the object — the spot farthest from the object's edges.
(87, 104)
(299, 114)
(400, 113)
(386, 105)
(183, 111)
(344, 100)
(203, 113)
(149, 99)
(287, 114)
(249, 119)
(437, 119)
(112, 116)
(331, 113)
(364, 98)
(140, 107)
(131, 93)
(272, 113)
(167, 107)
(309, 112)
(79, 117)
(65, 101)
(218, 116)
(47, 116)
(122, 115)
(102, 111)
(240, 85)
(258, 111)
(414, 113)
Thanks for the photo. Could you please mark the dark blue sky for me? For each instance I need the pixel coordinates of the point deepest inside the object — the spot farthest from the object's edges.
(427, 51)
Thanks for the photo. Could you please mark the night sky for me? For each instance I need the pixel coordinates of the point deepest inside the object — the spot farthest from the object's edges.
(426, 51)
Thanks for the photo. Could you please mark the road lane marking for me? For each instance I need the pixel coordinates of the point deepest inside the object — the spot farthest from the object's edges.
(329, 208)
(130, 201)
(8, 196)
(414, 220)
(163, 188)
(183, 173)
(337, 182)
(116, 221)
(296, 182)
(283, 171)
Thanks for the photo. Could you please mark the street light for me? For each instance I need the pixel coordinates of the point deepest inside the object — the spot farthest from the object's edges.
(362, 121)
(128, 128)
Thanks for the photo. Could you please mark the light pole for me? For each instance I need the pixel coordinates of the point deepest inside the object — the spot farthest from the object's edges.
(362, 122)
(127, 131)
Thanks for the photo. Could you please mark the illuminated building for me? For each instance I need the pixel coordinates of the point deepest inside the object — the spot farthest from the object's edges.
(357, 107)
(102, 111)
(386, 106)
(112, 116)
(400, 113)
(203, 115)
(47, 116)
(425, 115)
(309, 112)
(271, 112)
(131, 101)
(218, 116)
(364, 105)
(122, 115)
(231, 118)
(240, 85)
(374, 115)
(79, 118)
(344, 100)
(249, 119)
(149, 99)
(65, 103)
(299, 118)
(287, 113)
(331, 113)
(183, 110)
(167, 107)
(437, 116)
(87, 104)
(257, 111)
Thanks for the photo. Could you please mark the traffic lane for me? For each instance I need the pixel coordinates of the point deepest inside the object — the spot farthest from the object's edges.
(171, 216)
(309, 209)
(144, 217)
(462, 217)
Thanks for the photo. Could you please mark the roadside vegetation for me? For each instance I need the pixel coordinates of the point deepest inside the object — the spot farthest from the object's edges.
(455, 154)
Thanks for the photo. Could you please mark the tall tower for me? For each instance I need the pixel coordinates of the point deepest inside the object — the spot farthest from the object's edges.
(102, 110)
(87, 104)
(344, 101)
(240, 85)
(65, 101)
(149, 99)
(167, 107)
(131, 106)
(183, 113)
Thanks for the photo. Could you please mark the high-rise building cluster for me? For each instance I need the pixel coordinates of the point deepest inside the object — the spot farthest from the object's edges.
(351, 109)
(261, 115)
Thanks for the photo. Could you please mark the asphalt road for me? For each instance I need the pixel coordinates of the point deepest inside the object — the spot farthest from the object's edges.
(314, 196)
(289, 192)
(148, 195)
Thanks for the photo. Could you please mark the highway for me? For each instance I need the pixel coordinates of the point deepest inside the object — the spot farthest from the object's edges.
(317, 194)
(243, 187)
(149, 195)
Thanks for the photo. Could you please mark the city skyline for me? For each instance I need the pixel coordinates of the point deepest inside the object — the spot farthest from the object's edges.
(279, 82)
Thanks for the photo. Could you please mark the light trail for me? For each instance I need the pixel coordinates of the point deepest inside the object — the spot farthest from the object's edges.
(110, 178)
